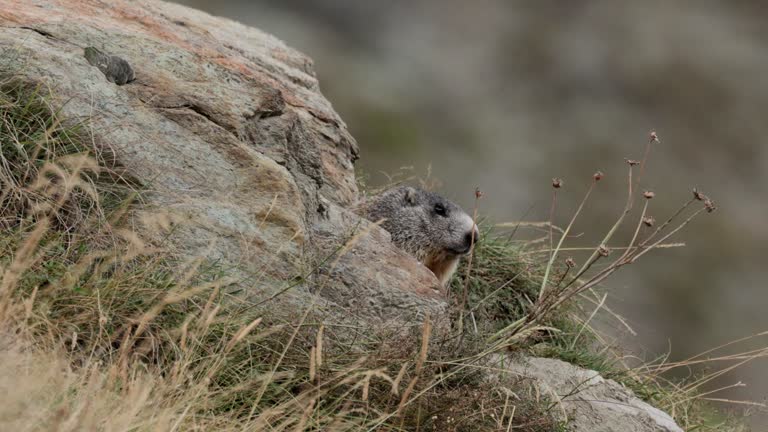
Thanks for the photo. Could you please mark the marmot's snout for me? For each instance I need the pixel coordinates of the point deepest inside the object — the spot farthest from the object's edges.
(468, 234)
(470, 239)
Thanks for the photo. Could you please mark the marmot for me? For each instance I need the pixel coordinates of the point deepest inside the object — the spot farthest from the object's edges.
(433, 229)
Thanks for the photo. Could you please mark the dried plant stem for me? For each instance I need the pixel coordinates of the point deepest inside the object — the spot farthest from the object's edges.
(425, 335)
(644, 250)
(609, 235)
(551, 263)
(644, 161)
(551, 223)
(629, 247)
(494, 292)
(586, 323)
(465, 291)
(667, 222)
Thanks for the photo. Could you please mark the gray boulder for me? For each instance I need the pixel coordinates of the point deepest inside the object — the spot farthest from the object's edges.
(225, 127)
(586, 401)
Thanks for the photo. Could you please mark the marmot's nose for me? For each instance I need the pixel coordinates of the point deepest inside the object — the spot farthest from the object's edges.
(471, 237)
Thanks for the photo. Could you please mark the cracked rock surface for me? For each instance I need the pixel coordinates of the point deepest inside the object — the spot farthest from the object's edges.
(224, 126)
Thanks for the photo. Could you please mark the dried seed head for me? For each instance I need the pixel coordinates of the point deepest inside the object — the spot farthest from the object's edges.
(698, 195)
(632, 162)
(557, 183)
(709, 205)
(598, 176)
(649, 221)
(648, 194)
(478, 193)
(652, 137)
(570, 263)
(603, 250)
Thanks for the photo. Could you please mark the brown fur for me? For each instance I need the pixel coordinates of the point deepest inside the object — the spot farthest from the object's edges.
(443, 265)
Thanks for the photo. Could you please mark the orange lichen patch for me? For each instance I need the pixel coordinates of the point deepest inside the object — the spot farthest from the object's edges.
(11, 12)
(152, 26)
(149, 22)
(305, 66)
(237, 64)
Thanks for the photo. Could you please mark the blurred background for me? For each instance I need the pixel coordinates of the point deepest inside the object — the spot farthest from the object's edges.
(504, 95)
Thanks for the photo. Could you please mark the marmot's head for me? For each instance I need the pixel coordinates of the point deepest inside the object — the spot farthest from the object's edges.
(427, 225)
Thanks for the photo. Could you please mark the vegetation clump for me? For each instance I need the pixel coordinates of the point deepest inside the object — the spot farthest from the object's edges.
(105, 329)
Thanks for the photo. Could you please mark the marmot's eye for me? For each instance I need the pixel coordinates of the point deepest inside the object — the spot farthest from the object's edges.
(440, 210)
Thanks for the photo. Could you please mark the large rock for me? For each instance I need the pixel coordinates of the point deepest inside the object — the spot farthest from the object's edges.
(589, 402)
(226, 126)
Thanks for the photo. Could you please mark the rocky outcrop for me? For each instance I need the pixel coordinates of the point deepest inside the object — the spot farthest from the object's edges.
(586, 401)
(225, 126)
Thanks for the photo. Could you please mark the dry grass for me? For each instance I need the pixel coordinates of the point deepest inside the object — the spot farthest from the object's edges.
(103, 330)
(106, 331)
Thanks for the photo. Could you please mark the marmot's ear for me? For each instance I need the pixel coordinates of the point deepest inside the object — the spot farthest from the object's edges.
(410, 196)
